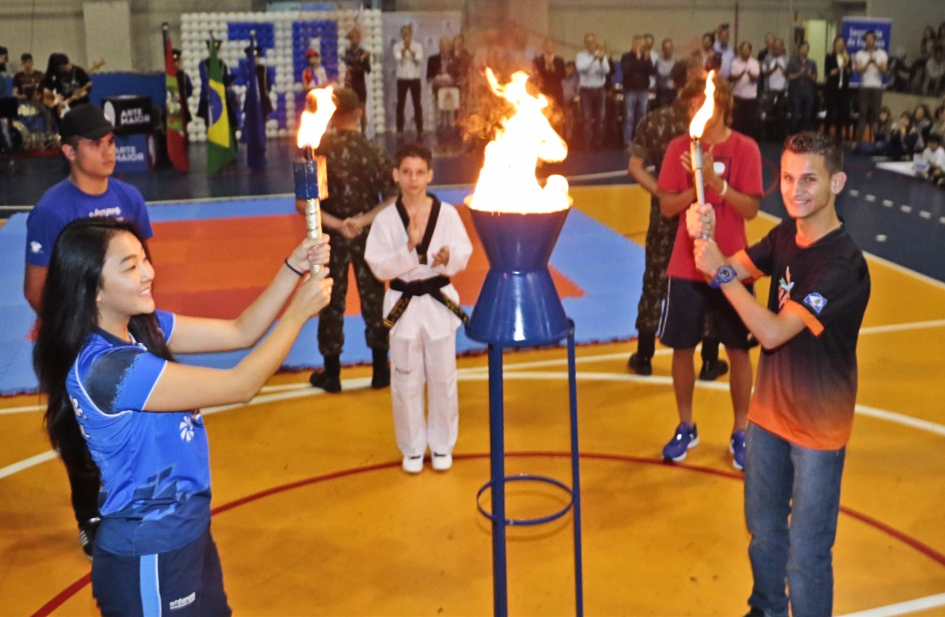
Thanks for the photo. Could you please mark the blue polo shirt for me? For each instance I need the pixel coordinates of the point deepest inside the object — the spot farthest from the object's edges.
(65, 202)
(155, 494)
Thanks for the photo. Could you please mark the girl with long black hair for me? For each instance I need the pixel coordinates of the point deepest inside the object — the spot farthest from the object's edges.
(104, 356)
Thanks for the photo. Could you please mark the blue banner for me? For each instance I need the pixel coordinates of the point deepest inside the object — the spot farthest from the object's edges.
(133, 153)
(853, 29)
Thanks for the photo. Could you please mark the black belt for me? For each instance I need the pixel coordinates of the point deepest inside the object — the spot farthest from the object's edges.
(427, 287)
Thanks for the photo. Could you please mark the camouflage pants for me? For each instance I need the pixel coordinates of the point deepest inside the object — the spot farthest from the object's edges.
(331, 336)
(660, 237)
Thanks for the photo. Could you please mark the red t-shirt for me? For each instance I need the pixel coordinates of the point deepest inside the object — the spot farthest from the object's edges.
(742, 170)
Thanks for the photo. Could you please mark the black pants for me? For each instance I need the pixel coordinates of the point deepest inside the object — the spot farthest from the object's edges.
(837, 103)
(745, 117)
(414, 86)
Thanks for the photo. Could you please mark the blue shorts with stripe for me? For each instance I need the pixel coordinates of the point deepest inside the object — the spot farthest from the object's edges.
(187, 582)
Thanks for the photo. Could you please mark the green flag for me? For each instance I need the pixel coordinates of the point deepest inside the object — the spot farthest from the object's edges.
(221, 147)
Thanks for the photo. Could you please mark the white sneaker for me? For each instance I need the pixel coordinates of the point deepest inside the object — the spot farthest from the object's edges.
(413, 464)
(442, 462)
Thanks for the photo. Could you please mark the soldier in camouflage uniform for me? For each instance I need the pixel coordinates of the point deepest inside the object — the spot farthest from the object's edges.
(650, 140)
(359, 177)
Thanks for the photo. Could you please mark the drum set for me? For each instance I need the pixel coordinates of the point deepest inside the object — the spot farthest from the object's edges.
(35, 128)
(31, 127)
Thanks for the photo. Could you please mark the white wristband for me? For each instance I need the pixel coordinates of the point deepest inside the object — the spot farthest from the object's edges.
(724, 188)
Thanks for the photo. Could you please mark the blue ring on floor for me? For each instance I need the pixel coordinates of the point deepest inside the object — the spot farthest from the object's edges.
(527, 522)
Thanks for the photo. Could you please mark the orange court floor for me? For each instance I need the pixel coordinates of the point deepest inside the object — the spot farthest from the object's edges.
(313, 515)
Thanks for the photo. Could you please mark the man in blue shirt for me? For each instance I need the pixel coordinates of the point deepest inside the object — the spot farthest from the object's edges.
(89, 146)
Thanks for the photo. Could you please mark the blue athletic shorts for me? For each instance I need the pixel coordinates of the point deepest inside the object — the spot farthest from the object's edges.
(187, 582)
(684, 316)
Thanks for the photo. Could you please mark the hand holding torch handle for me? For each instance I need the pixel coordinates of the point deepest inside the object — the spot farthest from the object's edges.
(313, 225)
(695, 154)
(311, 184)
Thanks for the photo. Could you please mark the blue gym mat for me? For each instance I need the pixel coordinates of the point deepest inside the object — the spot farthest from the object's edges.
(607, 267)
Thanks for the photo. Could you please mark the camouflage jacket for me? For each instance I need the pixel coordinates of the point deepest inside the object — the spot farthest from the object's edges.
(656, 130)
(359, 173)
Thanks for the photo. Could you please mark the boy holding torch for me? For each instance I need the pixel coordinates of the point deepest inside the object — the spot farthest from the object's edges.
(801, 412)
(731, 174)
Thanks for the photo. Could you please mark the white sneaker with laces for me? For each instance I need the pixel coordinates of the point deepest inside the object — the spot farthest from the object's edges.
(413, 464)
(442, 462)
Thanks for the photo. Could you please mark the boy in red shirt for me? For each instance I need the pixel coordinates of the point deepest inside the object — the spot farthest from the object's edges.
(732, 174)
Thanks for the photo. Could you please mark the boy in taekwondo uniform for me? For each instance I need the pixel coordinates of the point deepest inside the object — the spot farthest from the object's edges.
(416, 245)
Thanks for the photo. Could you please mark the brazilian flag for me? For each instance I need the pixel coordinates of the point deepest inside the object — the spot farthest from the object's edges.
(221, 147)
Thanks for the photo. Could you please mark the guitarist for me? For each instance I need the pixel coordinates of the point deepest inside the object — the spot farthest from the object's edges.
(66, 85)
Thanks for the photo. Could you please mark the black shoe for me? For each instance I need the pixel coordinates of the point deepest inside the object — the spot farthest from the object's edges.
(640, 365)
(712, 370)
(328, 383)
(87, 530)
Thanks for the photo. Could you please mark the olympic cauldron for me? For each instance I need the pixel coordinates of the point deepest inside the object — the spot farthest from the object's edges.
(518, 223)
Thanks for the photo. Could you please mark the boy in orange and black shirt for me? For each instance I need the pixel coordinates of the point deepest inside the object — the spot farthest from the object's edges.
(801, 413)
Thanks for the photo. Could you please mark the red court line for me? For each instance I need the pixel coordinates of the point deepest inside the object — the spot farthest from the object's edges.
(919, 546)
(777, 181)
(63, 595)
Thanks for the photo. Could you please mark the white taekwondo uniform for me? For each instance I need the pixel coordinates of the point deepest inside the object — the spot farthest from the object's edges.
(423, 339)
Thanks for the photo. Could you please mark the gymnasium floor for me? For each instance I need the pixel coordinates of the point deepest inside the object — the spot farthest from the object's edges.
(313, 515)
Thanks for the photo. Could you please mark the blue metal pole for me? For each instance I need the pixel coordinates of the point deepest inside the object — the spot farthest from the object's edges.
(500, 601)
(575, 476)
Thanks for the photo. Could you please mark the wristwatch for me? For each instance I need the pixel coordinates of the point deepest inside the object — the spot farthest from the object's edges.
(725, 274)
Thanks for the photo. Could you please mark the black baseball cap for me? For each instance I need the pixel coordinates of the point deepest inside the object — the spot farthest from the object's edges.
(86, 121)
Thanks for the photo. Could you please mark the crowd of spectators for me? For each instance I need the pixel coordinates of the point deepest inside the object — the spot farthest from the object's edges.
(598, 97)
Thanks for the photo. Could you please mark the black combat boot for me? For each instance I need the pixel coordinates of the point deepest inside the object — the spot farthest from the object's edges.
(381, 378)
(329, 378)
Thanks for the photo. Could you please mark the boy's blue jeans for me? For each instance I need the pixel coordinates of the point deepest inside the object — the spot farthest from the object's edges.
(792, 500)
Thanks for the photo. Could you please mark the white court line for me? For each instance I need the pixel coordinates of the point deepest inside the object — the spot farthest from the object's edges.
(263, 390)
(620, 173)
(29, 408)
(26, 463)
(902, 608)
(885, 262)
(510, 373)
(209, 200)
(916, 325)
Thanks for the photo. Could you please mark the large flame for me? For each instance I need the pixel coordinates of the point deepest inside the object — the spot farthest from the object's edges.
(313, 125)
(697, 126)
(507, 182)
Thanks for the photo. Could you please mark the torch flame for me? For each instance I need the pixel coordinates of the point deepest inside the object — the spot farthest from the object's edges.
(507, 182)
(697, 126)
(313, 125)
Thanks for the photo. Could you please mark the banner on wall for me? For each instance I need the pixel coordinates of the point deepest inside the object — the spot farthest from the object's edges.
(428, 28)
(853, 29)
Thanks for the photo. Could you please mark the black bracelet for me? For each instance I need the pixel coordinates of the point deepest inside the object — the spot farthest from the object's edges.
(289, 266)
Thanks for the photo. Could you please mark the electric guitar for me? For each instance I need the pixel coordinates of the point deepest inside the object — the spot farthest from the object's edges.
(56, 102)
